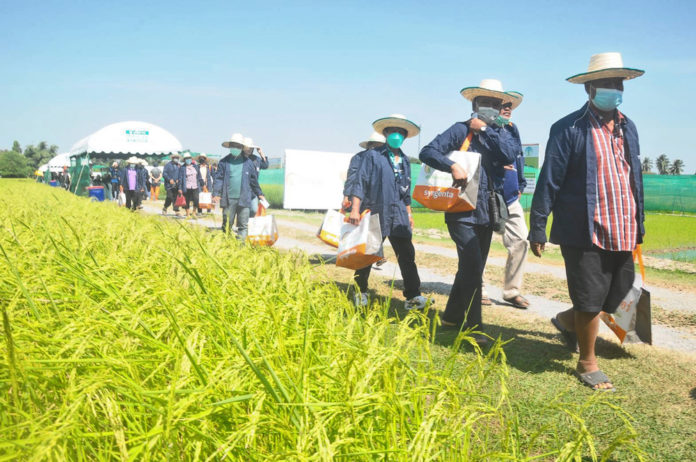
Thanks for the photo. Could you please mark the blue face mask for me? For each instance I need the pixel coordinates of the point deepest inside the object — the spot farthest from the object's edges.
(395, 140)
(607, 99)
(188, 161)
(235, 151)
(501, 121)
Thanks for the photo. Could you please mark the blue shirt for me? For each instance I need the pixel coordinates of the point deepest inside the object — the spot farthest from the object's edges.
(383, 192)
(497, 146)
(352, 174)
(567, 182)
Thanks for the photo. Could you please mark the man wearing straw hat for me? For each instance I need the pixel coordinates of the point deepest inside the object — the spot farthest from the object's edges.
(591, 181)
(260, 162)
(132, 182)
(170, 174)
(472, 231)
(235, 184)
(383, 185)
(376, 140)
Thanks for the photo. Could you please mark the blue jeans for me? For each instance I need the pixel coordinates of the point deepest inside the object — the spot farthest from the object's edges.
(473, 243)
(242, 213)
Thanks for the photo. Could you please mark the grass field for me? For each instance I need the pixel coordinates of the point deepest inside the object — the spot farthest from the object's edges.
(130, 337)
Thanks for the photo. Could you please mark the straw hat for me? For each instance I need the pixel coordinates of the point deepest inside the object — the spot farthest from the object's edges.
(237, 138)
(249, 143)
(133, 160)
(398, 121)
(374, 138)
(494, 89)
(187, 155)
(606, 66)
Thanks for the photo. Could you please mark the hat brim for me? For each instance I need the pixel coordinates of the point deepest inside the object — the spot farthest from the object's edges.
(625, 73)
(410, 127)
(228, 144)
(518, 99)
(472, 92)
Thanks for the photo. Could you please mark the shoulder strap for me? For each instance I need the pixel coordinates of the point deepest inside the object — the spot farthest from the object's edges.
(467, 142)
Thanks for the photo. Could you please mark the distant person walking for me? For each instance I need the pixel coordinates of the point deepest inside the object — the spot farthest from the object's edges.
(206, 176)
(260, 162)
(190, 182)
(131, 183)
(234, 186)
(155, 180)
(115, 173)
(383, 185)
(170, 174)
(472, 231)
(592, 182)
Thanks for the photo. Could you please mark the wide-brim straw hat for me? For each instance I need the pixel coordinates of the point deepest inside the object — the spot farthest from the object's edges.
(396, 121)
(606, 66)
(492, 88)
(133, 160)
(374, 138)
(249, 143)
(237, 138)
(187, 155)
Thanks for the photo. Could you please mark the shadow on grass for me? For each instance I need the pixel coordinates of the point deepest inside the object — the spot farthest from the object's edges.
(693, 393)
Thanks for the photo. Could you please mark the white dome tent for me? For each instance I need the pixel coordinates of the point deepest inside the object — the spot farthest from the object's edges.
(118, 141)
(57, 163)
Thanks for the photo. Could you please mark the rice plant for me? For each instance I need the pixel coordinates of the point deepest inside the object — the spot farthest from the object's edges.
(127, 337)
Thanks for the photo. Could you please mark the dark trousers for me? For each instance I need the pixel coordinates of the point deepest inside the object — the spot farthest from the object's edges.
(171, 199)
(406, 256)
(115, 190)
(473, 243)
(191, 197)
(131, 198)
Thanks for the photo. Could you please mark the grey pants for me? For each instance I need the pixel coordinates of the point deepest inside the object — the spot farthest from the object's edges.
(242, 213)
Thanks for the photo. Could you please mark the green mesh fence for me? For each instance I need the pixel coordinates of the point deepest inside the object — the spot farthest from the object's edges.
(662, 192)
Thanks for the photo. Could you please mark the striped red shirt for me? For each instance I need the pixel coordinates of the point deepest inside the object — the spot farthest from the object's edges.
(615, 225)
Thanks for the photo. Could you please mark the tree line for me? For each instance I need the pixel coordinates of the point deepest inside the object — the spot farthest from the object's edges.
(664, 166)
(21, 163)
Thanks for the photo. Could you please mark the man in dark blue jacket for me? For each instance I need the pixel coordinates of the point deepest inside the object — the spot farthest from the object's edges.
(472, 231)
(170, 174)
(132, 184)
(383, 185)
(591, 180)
(235, 184)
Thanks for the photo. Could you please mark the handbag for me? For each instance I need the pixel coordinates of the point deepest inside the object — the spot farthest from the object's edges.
(180, 201)
(262, 229)
(434, 189)
(497, 208)
(631, 322)
(360, 245)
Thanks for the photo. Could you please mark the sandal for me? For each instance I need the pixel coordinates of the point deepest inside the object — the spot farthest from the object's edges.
(518, 302)
(486, 301)
(570, 338)
(593, 379)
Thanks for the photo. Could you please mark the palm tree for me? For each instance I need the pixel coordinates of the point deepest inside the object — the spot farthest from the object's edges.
(647, 165)
(677, 167)
(662, 164)
(42, 146)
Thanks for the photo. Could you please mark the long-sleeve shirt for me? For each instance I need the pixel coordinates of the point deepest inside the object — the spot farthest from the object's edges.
(497, 146)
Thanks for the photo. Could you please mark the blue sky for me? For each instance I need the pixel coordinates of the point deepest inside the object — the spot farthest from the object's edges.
(314, 75)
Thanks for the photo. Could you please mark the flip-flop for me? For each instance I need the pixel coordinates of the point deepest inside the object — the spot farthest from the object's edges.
(592, 379)
(570, 338)
(518, 302)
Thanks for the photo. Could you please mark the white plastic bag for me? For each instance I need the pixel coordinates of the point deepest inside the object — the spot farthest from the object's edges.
(121, 199)
(205, 200)
(330, 229)
(361, 245)
(262, 229)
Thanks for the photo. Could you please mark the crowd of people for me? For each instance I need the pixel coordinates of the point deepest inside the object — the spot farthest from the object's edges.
(590, 179)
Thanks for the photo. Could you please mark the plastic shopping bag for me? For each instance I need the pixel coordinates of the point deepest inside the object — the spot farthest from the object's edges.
(180, 201)
(205, 200)
(262, 229)
(632, 320)
(330, 229)
(434, 187)
(121, 199)
(361, 245)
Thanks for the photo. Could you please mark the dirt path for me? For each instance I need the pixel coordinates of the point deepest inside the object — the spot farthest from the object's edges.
(663, 336)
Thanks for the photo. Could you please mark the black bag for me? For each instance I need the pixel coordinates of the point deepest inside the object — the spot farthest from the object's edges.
(497, 208)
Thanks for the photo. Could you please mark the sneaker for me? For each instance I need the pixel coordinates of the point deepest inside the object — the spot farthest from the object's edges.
(417, 303)
(360, 299)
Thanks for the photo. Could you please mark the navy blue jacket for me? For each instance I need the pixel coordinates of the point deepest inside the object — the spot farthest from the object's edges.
(139, 179)
(515, 182)
(259, 163)
(380, 191)
(352, 174)
(497, 146)
(568, 182)
(250, 182)
(171, 172)
(115, 174)
(182, 177)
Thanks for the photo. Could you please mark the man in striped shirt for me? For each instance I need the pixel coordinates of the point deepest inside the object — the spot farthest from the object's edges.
(591, 181)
